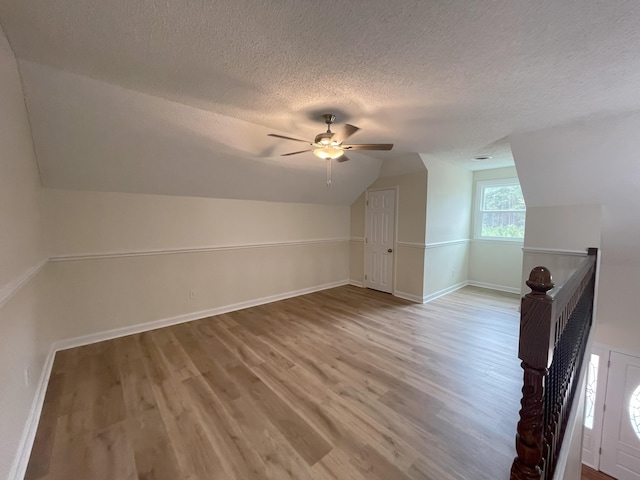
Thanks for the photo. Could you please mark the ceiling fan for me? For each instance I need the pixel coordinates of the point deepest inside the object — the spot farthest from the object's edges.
(330, 145)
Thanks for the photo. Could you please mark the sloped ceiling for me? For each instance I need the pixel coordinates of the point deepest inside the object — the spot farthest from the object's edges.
(177, 97)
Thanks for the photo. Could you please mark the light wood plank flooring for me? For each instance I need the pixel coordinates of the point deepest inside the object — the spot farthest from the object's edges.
(342, 384)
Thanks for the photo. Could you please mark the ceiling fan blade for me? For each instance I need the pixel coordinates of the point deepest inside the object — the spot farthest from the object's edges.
(369, 146)
(287, 138)
(345, 132)
(294, 153)
(342, 158)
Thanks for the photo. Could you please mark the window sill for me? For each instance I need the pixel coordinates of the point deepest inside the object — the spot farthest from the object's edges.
(500, 241)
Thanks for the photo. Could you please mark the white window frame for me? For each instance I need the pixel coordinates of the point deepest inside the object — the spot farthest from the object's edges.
(477, 217)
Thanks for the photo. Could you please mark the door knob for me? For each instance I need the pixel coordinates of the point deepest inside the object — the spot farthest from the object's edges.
(389, 251)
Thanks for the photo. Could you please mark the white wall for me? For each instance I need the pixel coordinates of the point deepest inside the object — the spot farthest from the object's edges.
(493, 263)
(22, 345)
(595, 162)
(446, 260)
(124, 259)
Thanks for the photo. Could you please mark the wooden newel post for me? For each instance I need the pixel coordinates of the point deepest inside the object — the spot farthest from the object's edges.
(534, 351)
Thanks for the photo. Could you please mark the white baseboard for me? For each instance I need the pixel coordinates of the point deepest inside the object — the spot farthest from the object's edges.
(444, 291)
(187, 317)
(408, 296)
(356, 283)
(21, 460)
(453, 288)
(493, 286)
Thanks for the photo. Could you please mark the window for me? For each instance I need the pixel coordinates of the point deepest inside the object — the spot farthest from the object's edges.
(500, 210)
(592, 387)
(634, 411)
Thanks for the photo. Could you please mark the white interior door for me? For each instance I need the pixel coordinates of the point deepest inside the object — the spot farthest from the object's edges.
(621, 427)
(380, 226)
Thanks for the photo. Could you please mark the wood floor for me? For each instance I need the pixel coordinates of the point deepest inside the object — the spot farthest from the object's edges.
(342, 384)
(591, 474)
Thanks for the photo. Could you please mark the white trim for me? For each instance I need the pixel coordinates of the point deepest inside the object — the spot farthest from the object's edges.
(623, 351)
(408, 296)
(495, 241)
(453, 288)
(434, 244)
(21, 459)
(555, 251)
(139, 253)
(493, 286)
(444, 291)
(10, 289)
(356, 239)
(410, 244)
(447, 243)
(187, 317)
(356, 283)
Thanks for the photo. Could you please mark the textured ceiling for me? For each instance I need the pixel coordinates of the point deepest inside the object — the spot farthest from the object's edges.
(198, 84)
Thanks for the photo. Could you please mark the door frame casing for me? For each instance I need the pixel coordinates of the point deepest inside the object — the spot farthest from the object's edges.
(601, 392)
(396, 190)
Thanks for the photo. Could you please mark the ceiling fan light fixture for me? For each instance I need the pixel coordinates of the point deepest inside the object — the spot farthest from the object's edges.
(328, 152)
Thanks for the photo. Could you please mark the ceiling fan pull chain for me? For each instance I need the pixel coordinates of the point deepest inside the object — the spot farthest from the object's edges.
(328, 172)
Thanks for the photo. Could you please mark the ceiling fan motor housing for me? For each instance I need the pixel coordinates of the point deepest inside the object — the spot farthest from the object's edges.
(324, 138)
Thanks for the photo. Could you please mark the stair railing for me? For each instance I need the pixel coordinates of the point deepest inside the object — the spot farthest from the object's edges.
(555, 324)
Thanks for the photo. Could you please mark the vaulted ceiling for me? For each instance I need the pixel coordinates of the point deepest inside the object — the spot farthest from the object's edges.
(176, 97)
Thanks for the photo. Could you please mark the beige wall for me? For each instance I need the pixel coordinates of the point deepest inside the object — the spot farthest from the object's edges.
(448, 200)
(412, 204)
(92, 296)
(124, 259)
(411, 207)
(589, 172)
(81, 223)
(564, 227)
(446, 260)
(494, 264)
(571, 228)
(22, 345)
(446, 266)
(20, 235)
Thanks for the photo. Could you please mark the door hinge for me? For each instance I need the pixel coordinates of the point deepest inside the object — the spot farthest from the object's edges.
(604, 407)
(609, 364)
(366, 239)
(367, 203)
(365, 277)
(600, 451)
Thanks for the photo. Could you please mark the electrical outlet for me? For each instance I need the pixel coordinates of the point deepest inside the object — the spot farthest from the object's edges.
(27, 376)
(192, 294)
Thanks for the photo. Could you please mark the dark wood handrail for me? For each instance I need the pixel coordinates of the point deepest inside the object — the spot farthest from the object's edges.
(554, 328)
